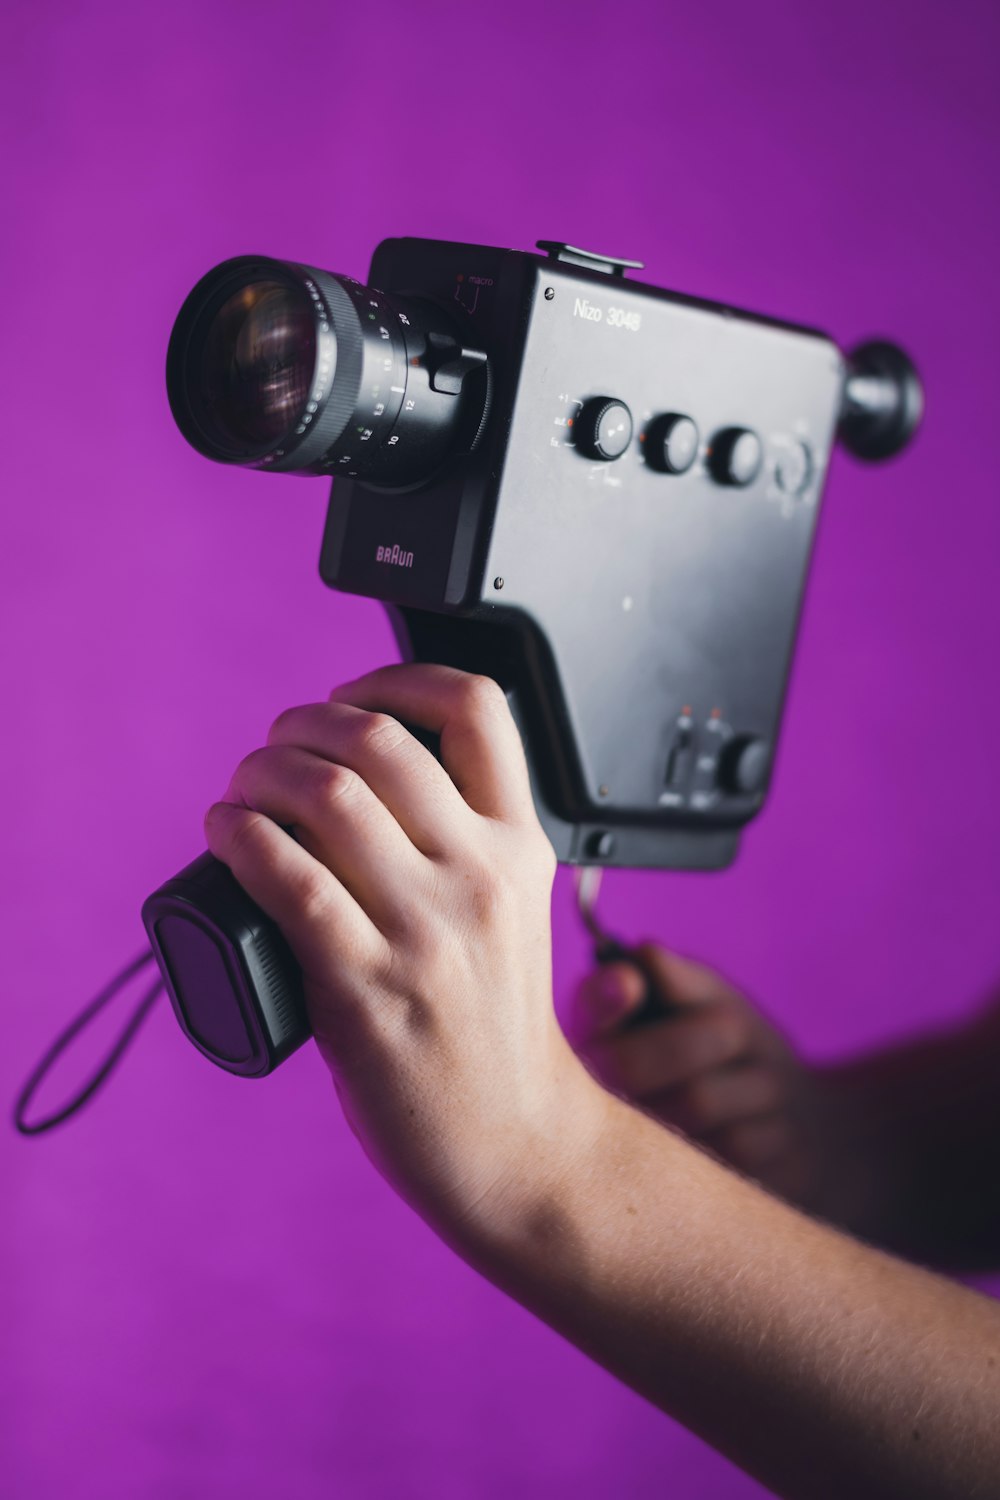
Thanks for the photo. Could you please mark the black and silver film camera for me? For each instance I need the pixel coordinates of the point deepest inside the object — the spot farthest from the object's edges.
(602, 494)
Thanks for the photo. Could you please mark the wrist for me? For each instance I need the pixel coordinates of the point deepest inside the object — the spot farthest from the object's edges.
(546, 1162)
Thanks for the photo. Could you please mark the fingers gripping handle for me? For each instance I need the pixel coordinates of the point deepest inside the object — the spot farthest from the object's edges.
(234, 983)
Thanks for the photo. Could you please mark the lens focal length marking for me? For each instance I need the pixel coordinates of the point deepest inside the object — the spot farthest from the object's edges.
(381, 387)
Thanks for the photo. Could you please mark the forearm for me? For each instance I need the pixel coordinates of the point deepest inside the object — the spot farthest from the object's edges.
(912, 1156)
(820, 1365)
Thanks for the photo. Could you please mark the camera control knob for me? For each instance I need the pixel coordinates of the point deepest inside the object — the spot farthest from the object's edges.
(603, 429)
(743, 765)
(671, 443)
(736, 456)
(793, 469)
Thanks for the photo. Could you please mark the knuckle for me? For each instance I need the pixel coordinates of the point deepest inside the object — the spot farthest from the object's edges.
(481, 696)
(253, 764)
(335, 782)
(246, 836)
(312, 898)
(379, 734)
(283, 726)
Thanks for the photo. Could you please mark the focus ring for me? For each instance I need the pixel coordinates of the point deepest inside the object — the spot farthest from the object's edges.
(334, 392)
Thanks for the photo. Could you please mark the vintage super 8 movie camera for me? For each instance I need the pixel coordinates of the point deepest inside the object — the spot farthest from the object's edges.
(602, 494)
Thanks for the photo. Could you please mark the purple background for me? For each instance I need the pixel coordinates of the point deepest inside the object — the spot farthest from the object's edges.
(204, 1288)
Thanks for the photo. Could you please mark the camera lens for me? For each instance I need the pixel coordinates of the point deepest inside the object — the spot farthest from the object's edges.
(257, 364)
(275, 365)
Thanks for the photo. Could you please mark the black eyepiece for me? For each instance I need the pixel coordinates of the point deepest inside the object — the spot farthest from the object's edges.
(883, 401)
(273, 365)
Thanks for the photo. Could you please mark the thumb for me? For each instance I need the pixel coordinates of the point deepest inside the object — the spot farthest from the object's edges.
(676, 980)
(604, 999)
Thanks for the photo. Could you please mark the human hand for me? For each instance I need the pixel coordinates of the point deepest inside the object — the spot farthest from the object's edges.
(712, 1066)
(415, 895)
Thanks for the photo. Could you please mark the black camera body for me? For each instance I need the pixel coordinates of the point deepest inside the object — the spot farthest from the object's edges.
(638, 600)
(602, 494)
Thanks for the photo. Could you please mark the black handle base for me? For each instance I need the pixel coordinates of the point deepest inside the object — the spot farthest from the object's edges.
(234, 985)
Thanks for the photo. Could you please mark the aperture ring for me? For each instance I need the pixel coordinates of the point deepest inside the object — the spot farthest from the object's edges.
(381, 388)
(336, 376)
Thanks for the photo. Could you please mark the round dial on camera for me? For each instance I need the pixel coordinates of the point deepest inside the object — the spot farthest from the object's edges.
(736, 456)
(670, 443)
(603, 428)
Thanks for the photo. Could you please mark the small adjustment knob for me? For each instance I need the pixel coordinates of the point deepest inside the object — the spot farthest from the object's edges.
(793, 469)
(743, 765)
(603, 429)
(736, 456)
(671, 443)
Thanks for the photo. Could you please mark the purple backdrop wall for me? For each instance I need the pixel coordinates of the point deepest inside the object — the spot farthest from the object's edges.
(204, 1289)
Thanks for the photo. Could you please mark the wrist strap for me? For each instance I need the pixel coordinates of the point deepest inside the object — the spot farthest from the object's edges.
(65, 1037)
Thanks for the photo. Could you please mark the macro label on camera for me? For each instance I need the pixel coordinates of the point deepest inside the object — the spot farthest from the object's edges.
(395, 555)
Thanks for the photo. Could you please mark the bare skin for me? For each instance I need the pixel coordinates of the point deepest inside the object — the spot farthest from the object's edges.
(416, 898)
(901, 1147)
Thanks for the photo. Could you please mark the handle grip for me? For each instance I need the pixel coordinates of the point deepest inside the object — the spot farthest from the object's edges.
(233, 982)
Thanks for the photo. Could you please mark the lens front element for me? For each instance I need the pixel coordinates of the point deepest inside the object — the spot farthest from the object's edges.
(257, 364)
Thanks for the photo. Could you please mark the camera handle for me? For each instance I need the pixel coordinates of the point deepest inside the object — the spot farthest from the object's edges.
(235, 987)
(231, 977)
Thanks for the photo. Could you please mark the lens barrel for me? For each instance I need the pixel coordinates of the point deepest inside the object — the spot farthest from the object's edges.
(274, 365)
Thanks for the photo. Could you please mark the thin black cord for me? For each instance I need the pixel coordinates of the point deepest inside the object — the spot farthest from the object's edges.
(64, 1038)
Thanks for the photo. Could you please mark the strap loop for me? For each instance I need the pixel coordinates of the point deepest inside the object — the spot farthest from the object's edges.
(65, 1037)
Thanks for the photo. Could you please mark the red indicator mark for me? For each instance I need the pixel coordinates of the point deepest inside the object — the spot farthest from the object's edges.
(569, 421)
